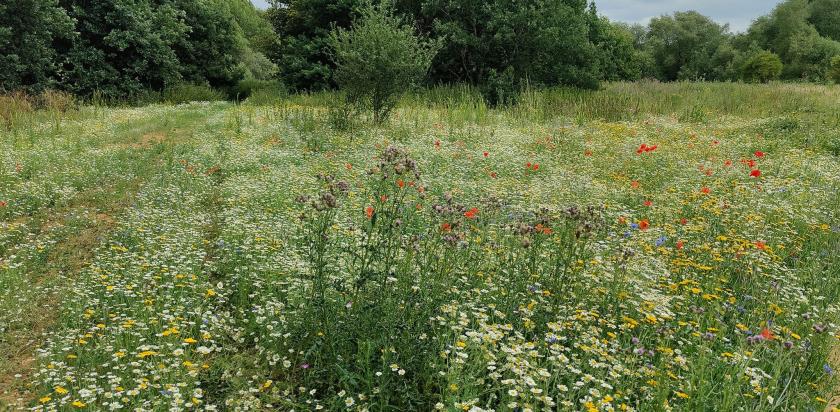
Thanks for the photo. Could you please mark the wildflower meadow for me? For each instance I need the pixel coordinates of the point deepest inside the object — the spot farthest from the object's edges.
(645, 247)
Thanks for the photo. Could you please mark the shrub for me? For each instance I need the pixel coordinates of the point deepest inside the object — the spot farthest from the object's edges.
(762, 67)
(185, 93)
(834, 70)
(379, 59)
(501, 88)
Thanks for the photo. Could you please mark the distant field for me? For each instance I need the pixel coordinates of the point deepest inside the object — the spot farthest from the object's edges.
(645, 247)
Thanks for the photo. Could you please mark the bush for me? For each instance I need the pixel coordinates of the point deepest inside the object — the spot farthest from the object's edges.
(762, 67)
(834, 70)
(379, 59)
(501, 89)
(185, 93)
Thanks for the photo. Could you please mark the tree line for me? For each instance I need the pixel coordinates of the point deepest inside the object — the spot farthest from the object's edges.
(120, 48)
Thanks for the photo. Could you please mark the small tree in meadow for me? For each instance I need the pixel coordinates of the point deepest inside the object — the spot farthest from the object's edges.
(762, 67)
(379, 59)
(834, 70)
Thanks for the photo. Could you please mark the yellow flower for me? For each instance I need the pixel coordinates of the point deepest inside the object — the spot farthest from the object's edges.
(45, 399)
(210, 293)
(147, 353)
(79, 404)
(60, 390)
(682, 395)
(190, 340)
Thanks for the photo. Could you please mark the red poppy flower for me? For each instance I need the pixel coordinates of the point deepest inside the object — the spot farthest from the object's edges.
(751, 163)
(3, 203)
(471, 214)
(383, 198)
(486, 154)
(767, 334)
(641, 149)
(437, 144)
(715, 142)
(683, 221)
(587, 153)
(644, 148)
(705, 190)
(644, 224)
(493, 175)
(634, 184)
(348, 166)
(536, 166)
(543, 229)
(648, 203)
(760, 245)
(369, 212)
(759, 153)
(445, 227)
(528, 165)
(755, 173)
(680, 245)
(400, 183)
(727, 163)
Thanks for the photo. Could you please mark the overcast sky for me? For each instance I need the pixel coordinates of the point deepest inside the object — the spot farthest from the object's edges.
(738, 13)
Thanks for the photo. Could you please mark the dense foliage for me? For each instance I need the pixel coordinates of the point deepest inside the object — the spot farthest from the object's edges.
(28, 29)
(498, 45)
(118, 48)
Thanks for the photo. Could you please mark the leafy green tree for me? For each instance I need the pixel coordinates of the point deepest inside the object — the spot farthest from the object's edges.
(810, 55)
(302, 48)
(255, 27)
(825, 16)
(379, 59)
(685, 46)
(618, 59)
(211, 49)
(834, 71)
(762, 67)
(28, 29)
(543, 42)
(122, 47)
